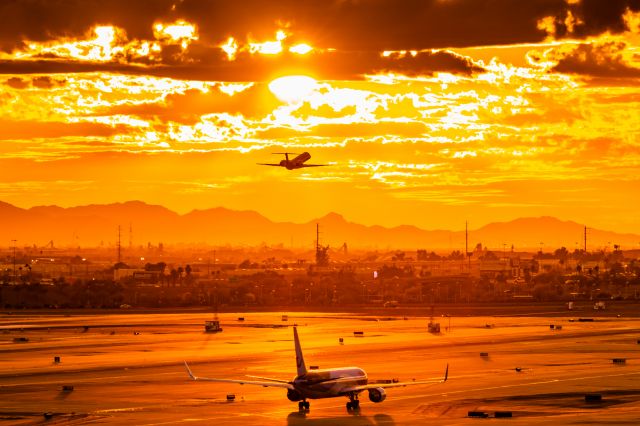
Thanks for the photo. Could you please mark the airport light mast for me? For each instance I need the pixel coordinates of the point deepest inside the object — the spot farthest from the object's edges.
(15, 280)
(466, 245)
(585, 239)
(119, 246)
(322, 257)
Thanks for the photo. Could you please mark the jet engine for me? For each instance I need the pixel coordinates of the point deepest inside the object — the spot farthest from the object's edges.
(377, 395)
(294, 395)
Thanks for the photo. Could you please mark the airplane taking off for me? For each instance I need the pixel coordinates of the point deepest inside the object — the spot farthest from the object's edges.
(326, 383)
(296, 163)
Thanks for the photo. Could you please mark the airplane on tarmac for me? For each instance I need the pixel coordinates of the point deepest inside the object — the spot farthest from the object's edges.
(325, 383)
(295, 163)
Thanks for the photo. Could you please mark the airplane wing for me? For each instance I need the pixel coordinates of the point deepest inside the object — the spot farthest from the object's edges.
(268, 164)
(313, 165)
(396, 385)
(240, 382)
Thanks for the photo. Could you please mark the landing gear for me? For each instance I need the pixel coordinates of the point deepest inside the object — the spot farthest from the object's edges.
(304, 405)
(354, 403)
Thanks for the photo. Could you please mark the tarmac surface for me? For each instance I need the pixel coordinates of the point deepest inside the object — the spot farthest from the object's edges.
(127, 368)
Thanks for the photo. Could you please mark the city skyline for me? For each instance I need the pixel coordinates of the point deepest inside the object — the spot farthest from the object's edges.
(429, 113)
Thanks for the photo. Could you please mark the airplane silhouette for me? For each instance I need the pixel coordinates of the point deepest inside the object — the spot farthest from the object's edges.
(295, 163)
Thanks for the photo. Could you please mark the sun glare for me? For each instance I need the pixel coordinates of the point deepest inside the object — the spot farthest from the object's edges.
(293, 89)
(301, 49)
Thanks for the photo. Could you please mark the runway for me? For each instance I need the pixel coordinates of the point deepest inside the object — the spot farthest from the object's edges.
(128, 368)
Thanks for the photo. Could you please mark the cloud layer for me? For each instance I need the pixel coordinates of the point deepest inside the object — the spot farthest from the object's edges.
(170, 102)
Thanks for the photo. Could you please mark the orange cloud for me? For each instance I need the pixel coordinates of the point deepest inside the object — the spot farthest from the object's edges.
(405, 128)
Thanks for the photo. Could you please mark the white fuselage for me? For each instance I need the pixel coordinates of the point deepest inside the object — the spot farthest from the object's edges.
(329, 383)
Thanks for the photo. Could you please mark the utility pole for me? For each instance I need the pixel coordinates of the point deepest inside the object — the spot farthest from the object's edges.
(322, 258)
(466, 245)
(585, 239)
(15, 280)
(119, 246)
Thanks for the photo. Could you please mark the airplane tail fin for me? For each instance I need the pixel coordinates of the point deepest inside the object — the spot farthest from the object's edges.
(302, 368)
(286, 154)
(446, 374)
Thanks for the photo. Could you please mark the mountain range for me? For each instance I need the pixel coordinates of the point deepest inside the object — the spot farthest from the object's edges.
(95, 225)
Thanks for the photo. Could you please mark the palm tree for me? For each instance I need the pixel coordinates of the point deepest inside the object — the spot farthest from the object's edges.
(180, 271)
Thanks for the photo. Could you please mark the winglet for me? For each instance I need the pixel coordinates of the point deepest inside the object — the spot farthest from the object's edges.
(446, 373)
(189, 371)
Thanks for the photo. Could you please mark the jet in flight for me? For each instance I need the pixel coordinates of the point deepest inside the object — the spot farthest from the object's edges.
(295, 163)
(326, 383)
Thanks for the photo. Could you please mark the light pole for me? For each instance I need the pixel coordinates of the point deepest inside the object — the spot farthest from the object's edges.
(14, 261)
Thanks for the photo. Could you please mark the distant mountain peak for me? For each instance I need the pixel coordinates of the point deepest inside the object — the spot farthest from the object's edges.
(332, 217)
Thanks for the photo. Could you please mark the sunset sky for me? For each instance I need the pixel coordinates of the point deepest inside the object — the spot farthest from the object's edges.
(429, 112)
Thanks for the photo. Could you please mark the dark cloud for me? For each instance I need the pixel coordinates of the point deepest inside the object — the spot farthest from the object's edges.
(597, 17)
(379, 24)
(358, 30)
(41, 20)
(341, 24)
(214, 67)
(429, 62)
(604, 60)
(43, 82)
(17, 83)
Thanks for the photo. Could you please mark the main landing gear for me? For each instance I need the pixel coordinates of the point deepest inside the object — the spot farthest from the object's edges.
(354, 403)
(304, 405)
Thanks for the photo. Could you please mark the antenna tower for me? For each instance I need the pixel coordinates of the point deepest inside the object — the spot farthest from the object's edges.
(585, 239)
(466, 245)
(322, 257)
(119, 246)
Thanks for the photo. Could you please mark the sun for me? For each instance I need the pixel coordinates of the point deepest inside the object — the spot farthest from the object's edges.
(293, 88)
